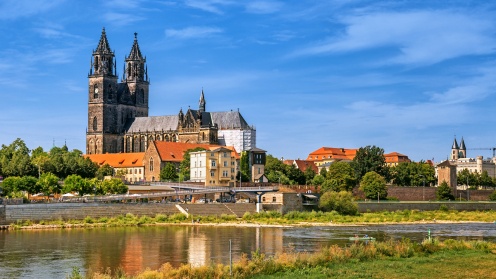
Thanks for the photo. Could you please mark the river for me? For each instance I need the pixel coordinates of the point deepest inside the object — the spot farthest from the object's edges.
(53, 253)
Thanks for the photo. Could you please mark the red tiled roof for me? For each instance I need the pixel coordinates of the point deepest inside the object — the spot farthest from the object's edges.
(332, 153)
(118, 160)
(174, 151)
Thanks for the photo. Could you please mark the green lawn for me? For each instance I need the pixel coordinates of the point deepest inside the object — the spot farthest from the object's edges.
(445, 264)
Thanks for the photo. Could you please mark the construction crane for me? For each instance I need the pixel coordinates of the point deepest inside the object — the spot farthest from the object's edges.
(485, 148)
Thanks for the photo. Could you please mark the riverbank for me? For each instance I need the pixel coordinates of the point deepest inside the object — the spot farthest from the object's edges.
(390, 259)
(269, 219)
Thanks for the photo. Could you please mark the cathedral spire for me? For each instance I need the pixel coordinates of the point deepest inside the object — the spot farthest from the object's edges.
(103, 58)
(135, 63)
(202, 103)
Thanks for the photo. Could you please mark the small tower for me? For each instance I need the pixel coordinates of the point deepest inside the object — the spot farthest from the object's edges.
(463, 150)
(202, 103)
(136, 78)
(455, 150)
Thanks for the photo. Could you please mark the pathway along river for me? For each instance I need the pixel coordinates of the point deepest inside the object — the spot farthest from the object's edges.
(53, 253)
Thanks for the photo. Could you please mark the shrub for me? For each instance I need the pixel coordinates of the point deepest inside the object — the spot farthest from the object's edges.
(341, 202)
(443, 192)
(89, 220)
(492, 197)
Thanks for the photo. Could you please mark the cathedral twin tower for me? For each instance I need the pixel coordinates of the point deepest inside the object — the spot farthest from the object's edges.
(118, 118)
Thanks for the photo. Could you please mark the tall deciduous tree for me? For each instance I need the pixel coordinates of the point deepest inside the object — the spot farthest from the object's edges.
(105, 170)
(373, 185)
(48, 184)
(369, 158)
(114, 186)
(412, 174)
(341, 176)
(185, 163)
(168, 172)
(15, 160)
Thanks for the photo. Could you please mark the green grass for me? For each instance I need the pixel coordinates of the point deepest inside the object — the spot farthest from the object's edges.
(446, 264)
(391, 259)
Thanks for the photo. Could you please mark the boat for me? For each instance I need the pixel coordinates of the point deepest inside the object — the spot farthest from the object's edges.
(363, 238)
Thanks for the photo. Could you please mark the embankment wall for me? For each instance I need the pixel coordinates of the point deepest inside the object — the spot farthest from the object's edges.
(394, 206)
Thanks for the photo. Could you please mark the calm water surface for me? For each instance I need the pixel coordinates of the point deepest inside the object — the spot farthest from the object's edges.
(53, 253)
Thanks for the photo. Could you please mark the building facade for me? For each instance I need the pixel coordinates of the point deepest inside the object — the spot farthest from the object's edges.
(216, 166)
(118, 120)
(128, 165)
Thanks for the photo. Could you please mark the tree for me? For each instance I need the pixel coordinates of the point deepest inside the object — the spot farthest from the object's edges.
(168, 172)
(275, 169)
(413, 174)
(443, 192)
(295, 175)
(184, 166)
(318, 180)
(341, 202)
(342, 176)
(15, 160)
(244, 166)
(323, 172)
(105, 170)
(29, 184)
(114, 186)
(309, 175)
(75, 183)
(373, 184)
(48, 184)
(492, 197)
(10, 185)
(369, 158)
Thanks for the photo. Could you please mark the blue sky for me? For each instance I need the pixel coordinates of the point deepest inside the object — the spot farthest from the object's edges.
(406, 76)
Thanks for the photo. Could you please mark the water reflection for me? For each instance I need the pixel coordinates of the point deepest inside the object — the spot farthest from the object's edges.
(53, 253)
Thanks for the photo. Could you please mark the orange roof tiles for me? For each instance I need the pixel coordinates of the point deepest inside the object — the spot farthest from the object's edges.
(118, 160)
(174, 151)
(324, 153)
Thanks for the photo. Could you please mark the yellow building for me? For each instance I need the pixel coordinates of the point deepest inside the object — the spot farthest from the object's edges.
(215, 167)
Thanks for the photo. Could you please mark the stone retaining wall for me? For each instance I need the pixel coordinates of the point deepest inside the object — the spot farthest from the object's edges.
(78, 211)
(393, 206)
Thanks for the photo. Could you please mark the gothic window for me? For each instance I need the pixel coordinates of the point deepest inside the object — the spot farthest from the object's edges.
(110, 93)
(142, 144)
(128, 70)
(95, 124)
(142, 95)
(96, 63)
(151, 163)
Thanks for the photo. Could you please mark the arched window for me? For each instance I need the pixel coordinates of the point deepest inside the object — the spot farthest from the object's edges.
(151, 163)
(142, 144)
(142, 95)
(128, 70)
(95, 124)
(95, 91)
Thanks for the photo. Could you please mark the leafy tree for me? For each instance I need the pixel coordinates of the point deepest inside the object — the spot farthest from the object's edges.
(15, 160)
(48, 184)
(443, 192)
(413, 174)
(367, 159)
(341, 176)
(295, 175)
(168, 172)
(244, 166)
(318, 180)
(275, 169)
(185, 163)
(75, 183)
(29, 184)
(373, 184)
(323, 172)
(341, 202)
(10, 185)
(114, 186)
(485, 179)
(105, 170)
(309, 175)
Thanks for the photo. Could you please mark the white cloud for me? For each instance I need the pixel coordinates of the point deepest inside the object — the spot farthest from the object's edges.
(211, 6)
(425, 37)
(263, 7)
(13, 9)
(121, 19)
(192, 32)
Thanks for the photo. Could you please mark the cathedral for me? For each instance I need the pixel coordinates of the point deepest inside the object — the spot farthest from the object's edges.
(118, 120)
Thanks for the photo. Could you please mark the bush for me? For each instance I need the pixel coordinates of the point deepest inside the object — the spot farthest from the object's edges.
(341, 202)
(443, 192)
(492, 197)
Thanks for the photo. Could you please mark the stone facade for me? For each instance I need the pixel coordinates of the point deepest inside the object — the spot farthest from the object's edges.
(118, 118)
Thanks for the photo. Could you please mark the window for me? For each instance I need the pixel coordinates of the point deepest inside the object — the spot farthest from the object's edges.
(224, 173)
(258, 170)
(135, 171)
(212, 173)
(151, 163)
(232, 170)
(225, 163)
(139, 171)
(213, 163)
(263, 199)
(200, 164)
(195, 164)
(225, 154)
(212, 154)
(274, 199)
(195, 173)
(95, 91)
(95, 124)
(200, 174)
(130, 171)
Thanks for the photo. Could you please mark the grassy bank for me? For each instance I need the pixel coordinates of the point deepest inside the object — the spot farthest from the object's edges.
(271, 218)
(391, 259)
